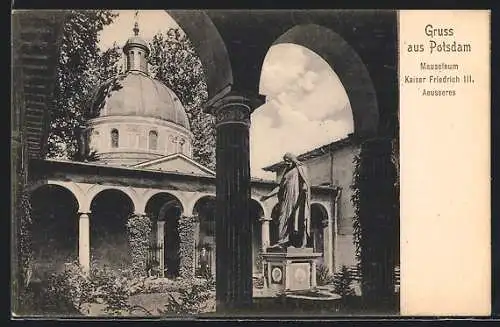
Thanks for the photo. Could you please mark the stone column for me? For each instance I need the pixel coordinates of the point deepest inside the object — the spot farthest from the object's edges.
(234, 242)
(160, 239)
(266, 237)
(84, 240)
(313, 273)
(328, 244)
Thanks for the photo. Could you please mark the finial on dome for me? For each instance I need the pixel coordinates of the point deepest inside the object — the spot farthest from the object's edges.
(136, 25)
(136, 29)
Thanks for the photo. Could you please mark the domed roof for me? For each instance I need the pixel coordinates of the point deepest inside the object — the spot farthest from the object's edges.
(137, 94)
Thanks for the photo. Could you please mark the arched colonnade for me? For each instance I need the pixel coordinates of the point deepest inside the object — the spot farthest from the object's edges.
(89, 223)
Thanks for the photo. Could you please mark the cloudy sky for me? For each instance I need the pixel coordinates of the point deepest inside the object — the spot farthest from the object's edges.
(306, 104)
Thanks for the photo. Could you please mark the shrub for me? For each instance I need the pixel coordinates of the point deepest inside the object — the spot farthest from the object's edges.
(162, 285)
(323, 276)
(342, 282)
(258, 282)
(63, 292)
(111, 288)
(194, 299)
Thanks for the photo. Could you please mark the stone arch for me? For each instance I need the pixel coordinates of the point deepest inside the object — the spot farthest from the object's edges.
(162, 200)
(165, 211)
(149, 194)
(204, 209)
(319, 222)
(192, 206)
(131, 193)
(262, 206)
(54, 228)
(256, 214)
(210, 48)
(73, 188)
(321, 209)
(110, 210)
(349, 67)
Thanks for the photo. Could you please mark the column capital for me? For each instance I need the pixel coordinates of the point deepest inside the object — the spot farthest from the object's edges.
(235, 108)
(265, 219)
(86, 213)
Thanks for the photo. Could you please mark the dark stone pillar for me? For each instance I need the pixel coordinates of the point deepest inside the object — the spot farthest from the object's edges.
(378, 211)
(233, 226)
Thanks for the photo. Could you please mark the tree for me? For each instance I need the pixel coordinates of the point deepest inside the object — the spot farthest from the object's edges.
(174, 61)
(82, 66)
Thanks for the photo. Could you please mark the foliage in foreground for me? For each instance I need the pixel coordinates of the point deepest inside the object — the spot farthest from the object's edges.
(192, 300)
(72, 292)
(341, 281)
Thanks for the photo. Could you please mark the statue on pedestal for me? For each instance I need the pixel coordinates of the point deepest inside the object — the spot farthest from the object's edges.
(294, 201)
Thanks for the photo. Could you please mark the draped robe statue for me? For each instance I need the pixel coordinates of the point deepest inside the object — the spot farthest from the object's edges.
(294, 201)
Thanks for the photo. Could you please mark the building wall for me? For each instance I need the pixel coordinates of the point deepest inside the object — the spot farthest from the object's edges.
(86, 181)
(134, 139)
(339, 165)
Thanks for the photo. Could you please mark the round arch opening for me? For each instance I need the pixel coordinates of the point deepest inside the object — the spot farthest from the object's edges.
(54, 229)
(256, 213)
(319, 220)
(165, 210)
(204, 209)
(109, 245)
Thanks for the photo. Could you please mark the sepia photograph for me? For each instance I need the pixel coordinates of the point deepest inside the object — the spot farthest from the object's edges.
(205, 163)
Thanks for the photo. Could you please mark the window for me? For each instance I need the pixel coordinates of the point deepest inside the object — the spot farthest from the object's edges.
(153, 140)
(181, 145)
(114, 138)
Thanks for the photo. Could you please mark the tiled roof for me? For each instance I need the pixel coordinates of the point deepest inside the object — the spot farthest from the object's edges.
(317, 152)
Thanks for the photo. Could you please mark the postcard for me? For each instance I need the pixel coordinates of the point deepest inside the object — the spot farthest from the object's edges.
(250, 163)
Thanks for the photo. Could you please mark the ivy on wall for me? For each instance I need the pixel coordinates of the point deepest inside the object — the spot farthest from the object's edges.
(139, 233)
(376, 202)
(188, 230)
(24, 244)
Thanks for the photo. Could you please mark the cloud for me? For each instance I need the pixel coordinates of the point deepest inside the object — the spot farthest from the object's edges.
(297, 135)
(283, 65)
(307, 107)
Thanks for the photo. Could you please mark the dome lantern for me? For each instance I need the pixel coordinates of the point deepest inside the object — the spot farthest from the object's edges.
(136, 51)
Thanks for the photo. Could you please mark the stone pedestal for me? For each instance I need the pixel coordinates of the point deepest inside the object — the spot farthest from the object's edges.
(290, 269)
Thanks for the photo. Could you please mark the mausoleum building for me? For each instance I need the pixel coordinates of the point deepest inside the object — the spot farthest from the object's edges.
(141, 133)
